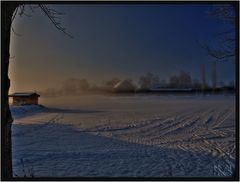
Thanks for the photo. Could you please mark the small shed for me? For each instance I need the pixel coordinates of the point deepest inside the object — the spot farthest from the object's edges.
(25, 98)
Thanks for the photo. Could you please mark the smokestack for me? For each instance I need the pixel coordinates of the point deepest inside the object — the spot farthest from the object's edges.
(214, 76)
(203, 74)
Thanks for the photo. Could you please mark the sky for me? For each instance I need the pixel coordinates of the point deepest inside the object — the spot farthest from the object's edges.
(113, 40)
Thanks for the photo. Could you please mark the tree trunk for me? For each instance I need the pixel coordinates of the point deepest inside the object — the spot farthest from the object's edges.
(6, 122)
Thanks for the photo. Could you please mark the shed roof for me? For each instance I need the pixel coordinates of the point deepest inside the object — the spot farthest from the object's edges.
(124, 85)
(24, 94)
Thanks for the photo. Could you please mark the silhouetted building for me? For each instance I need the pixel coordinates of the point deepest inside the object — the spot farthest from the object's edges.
(25, 98)
(124, 86)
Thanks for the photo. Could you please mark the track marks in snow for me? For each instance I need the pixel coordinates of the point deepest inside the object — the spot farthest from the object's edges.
(40, 126)
(189, 131)
(180, 140)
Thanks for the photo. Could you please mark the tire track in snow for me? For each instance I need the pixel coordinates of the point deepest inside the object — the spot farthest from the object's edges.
(182, 130)
(53, 120)
(156, 128)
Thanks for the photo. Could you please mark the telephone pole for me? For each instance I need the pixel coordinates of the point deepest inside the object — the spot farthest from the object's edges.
(203, 74)
(214, 76)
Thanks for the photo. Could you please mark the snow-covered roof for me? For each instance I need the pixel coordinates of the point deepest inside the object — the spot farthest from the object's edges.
(124, 84)
(23, 94)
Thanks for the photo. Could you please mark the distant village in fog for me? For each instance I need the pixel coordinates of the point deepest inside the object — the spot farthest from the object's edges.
(148, 83)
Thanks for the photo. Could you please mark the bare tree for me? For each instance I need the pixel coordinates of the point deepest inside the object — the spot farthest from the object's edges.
(224, 47)
(148, 80)
(9, 10)
(214, 76)
(196, 84)
(174, 81)
(221, 84)
(163, 83)
(185, 80)
(203, 74)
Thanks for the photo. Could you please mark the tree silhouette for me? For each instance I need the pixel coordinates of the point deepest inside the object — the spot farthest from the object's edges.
(203, 78)
(214, 76)
(224, 47)
(148, 80)
(183, 80)
(9, 11)
(174, 81)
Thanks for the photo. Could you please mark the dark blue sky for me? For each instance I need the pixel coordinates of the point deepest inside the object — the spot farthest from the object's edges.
(117, 40)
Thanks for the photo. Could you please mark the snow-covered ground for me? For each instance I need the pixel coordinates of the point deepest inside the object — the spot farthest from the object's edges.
(127, 136)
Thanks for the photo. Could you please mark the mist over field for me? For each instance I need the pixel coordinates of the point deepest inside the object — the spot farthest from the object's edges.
(131, 90)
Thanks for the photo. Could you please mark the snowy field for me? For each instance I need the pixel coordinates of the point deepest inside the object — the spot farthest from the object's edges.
(125, 136)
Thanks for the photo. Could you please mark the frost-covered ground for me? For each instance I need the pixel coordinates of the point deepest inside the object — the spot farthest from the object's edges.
(127, 136)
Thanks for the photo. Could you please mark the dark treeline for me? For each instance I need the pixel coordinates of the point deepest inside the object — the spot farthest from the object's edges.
(179, 83)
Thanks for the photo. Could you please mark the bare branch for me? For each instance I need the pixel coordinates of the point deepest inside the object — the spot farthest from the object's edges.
(225, 43)
(22, 7)
(27, 15)
(230, 31)
(14, 15)
(219, 54)
(53, 11)
(31, 8)
(223, 12)
(51, 14)
(17, 34)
